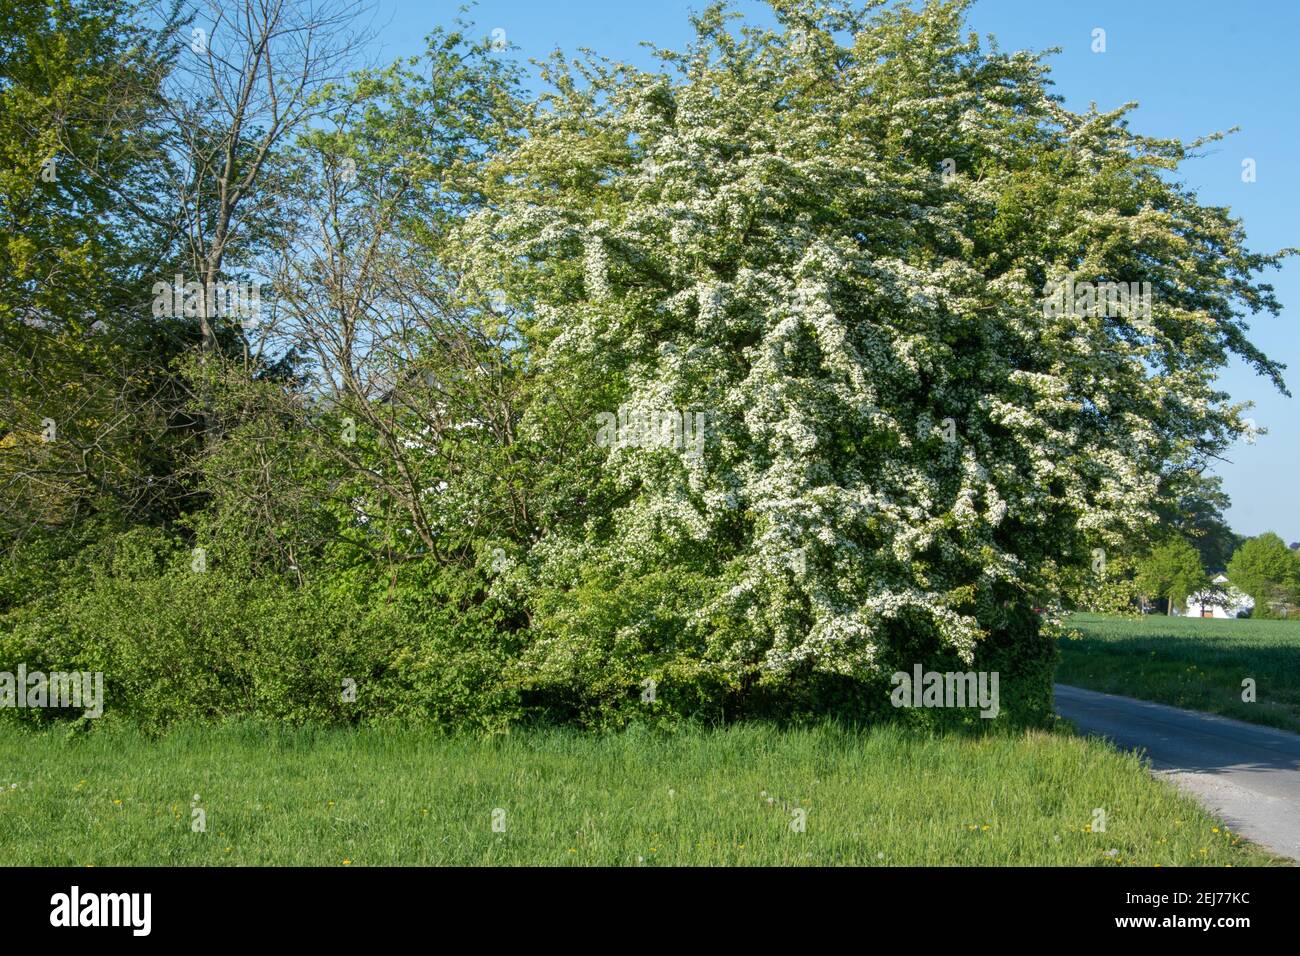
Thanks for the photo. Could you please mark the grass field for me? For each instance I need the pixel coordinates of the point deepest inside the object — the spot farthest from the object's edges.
(340, 798)
(1190, 662)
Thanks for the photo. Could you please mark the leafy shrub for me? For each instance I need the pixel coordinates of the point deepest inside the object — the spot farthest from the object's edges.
(174, 645)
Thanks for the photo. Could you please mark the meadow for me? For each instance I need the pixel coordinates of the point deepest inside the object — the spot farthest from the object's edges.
(744, 795)
(1195, 663)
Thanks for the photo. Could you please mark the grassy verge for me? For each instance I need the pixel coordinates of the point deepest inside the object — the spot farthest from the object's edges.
(1190, 662)
(884, 797)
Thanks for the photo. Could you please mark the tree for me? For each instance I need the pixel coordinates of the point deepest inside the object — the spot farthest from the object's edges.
(1173, 571)
(86, 399)
(1194, 507)
(838, 242)
(250, 77)
(1266, 569)
(408, 397)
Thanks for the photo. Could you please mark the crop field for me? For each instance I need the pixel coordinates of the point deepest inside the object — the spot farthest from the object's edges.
(1196, 663)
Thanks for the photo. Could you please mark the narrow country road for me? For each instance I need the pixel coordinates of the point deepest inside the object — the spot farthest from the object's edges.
(1247, 774)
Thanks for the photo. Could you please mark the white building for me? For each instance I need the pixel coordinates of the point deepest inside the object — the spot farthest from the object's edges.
(1221, 600)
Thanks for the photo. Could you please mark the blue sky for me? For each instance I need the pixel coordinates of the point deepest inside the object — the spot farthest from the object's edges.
(1195, 66)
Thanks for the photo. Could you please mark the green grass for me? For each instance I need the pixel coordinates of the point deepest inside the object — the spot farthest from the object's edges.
(1190, 662)
(882, 797)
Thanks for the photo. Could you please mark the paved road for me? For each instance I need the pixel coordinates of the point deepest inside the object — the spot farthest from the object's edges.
(1248, 775)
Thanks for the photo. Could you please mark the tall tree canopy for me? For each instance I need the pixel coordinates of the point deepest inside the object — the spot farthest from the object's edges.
(1266, 569)
(1172, 571)
(834, 239)
(83, 227)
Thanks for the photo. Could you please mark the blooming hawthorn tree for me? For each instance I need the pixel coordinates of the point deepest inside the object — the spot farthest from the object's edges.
(835, 238)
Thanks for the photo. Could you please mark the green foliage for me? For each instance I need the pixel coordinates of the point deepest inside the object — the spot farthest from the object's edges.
(1109, 587)
(86, 402)
(1172, 571)
(175, 644)
(620, 644)
(1195, 503)
(1269, 571)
